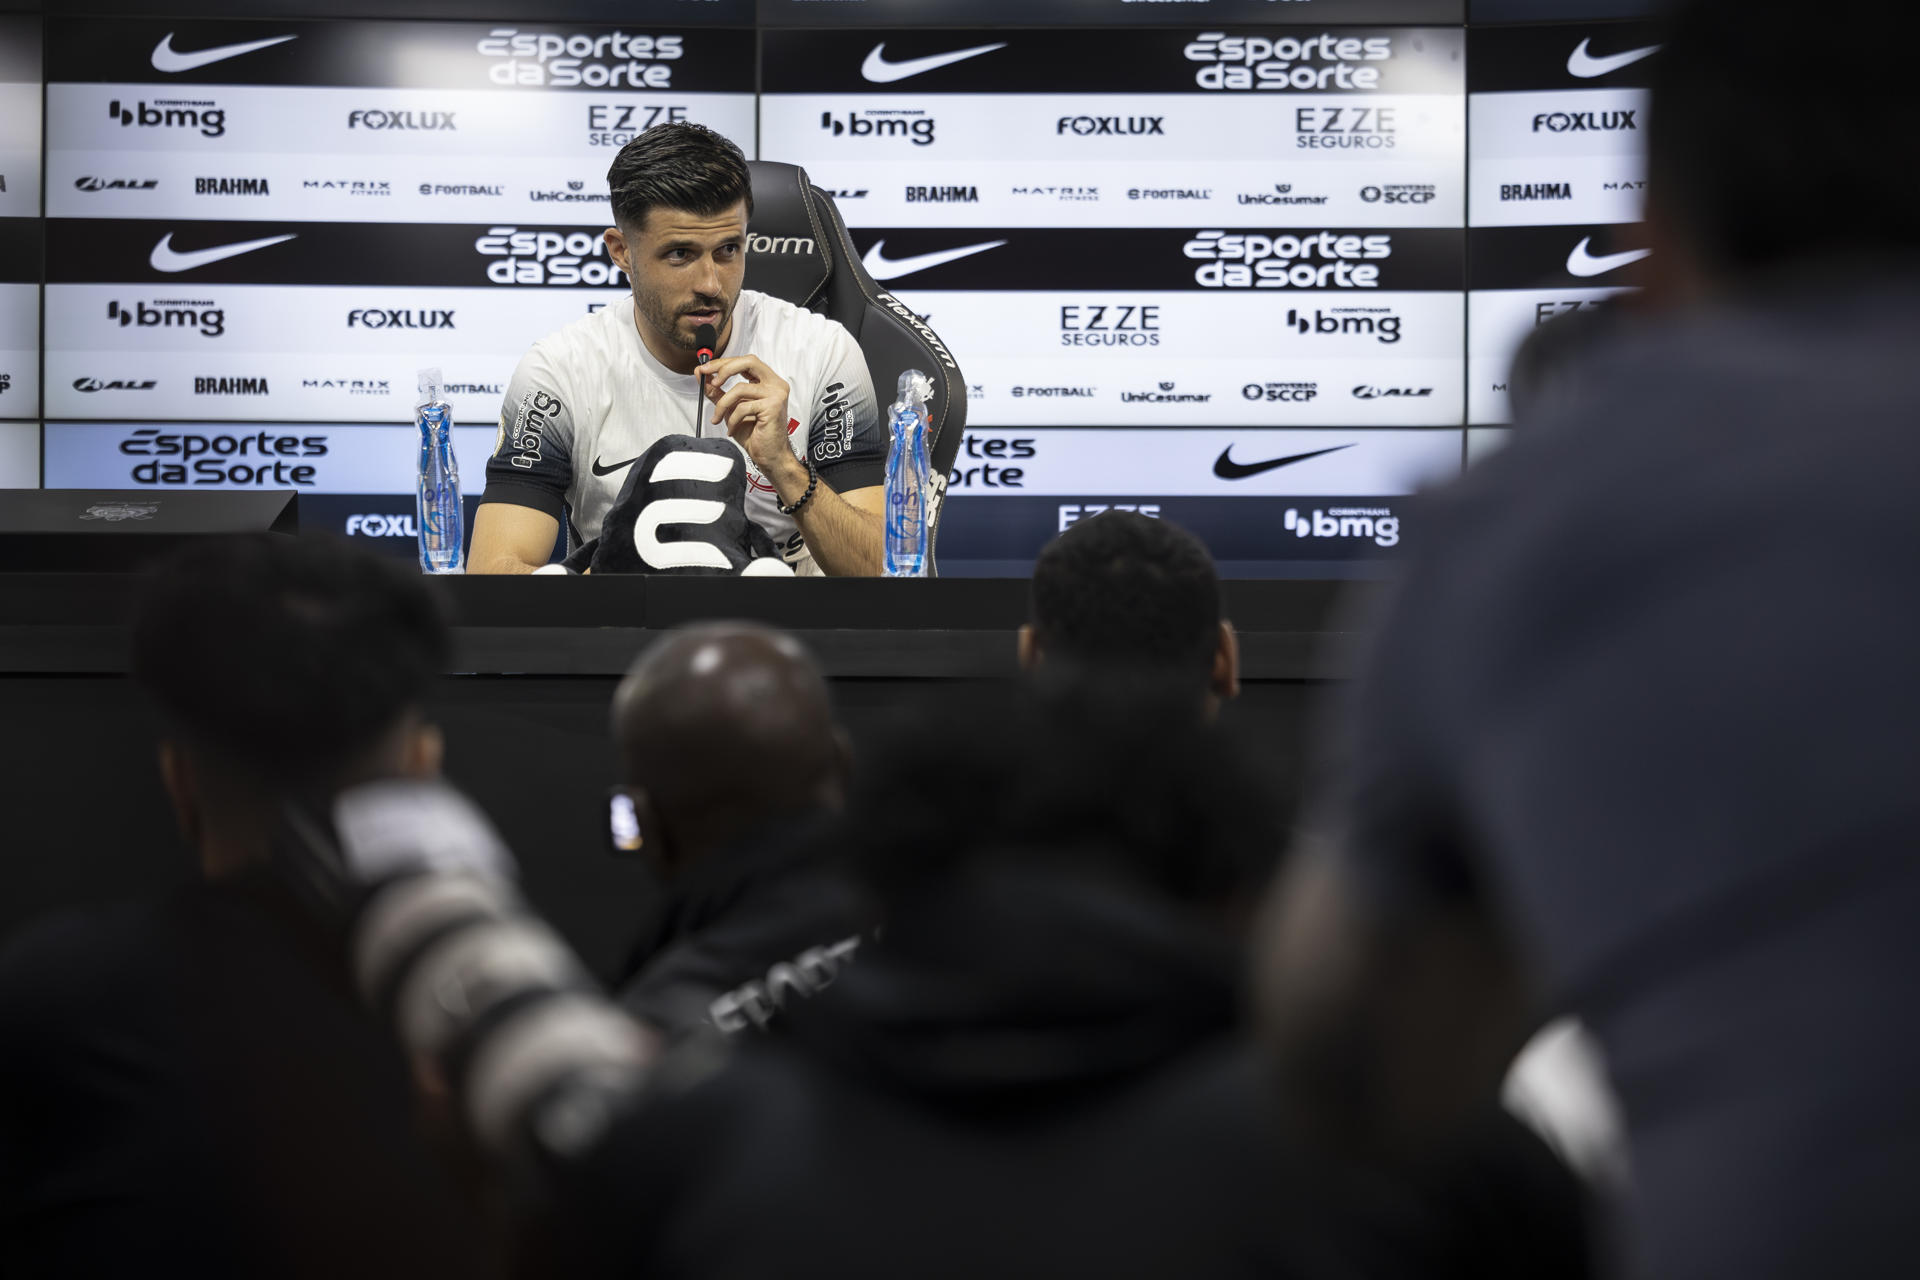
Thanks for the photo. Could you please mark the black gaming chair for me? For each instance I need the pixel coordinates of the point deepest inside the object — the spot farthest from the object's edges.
(798, 250)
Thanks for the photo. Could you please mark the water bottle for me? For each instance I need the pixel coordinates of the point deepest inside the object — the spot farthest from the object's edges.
(908, 484)
(441, 523)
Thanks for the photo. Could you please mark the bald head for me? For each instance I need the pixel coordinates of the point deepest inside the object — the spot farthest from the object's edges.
(721, 729)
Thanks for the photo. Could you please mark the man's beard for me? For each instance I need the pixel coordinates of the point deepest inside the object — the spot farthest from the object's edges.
(664, 319)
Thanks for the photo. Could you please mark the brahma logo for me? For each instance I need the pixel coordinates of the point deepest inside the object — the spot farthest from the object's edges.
(601, 61)
(1259, 62)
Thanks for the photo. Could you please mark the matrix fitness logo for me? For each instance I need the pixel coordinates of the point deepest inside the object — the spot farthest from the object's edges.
(1304, 260)
(1321, 62)
(605, 61)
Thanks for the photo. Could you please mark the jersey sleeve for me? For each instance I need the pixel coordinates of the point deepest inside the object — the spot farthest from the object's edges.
(532, 460)
(846, 440)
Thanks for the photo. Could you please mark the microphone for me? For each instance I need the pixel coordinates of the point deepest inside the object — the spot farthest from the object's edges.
(704, 339)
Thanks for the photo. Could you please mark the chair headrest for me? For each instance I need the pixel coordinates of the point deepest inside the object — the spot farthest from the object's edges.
(789, 247)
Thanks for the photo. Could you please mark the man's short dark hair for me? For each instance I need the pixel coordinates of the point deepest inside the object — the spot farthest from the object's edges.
(1125, 589)
(285, 658)
(678, 166)
(1764, 147)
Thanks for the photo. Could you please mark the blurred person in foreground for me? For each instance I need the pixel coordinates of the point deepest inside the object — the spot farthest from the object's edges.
(732, 759)
(1636, 739)
(183, 1087)
(1033, 1071)
(1125, 592)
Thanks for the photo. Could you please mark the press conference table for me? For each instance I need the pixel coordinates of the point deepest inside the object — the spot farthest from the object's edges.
(525, 710)
(74, 623)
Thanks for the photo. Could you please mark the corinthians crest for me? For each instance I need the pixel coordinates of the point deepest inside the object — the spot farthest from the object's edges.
(118, 511)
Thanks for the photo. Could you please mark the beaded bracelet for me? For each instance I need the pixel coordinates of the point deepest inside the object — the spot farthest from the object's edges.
(813, 482)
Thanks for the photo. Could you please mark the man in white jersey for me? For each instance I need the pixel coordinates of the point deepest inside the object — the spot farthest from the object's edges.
(789, 386)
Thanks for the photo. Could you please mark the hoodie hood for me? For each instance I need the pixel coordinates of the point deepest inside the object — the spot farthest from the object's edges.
(1006, 986)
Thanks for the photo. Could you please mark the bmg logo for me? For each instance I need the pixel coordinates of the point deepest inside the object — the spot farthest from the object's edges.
(210, 321)
(918, 127)
(210, 120)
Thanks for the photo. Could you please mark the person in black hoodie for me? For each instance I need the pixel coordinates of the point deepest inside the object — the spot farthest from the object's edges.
(731, 758)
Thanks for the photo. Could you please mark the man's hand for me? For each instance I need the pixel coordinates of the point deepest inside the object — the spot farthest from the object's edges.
(755, 413)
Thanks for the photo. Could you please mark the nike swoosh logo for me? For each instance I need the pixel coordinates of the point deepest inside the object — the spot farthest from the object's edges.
(166, 258)
(166, 59)
(1582, 263)
(1227, 469)
(618, 466)
(878, 70)
(881, 267)
(1586, 66)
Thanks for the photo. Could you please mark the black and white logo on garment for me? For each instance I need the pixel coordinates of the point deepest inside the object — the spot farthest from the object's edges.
(409, 121)
(1283, 260)
(263, 458)
(943, 195)
(1585, 121)
(349, 386)
(547, 257)
(909, 124)
(1280, 392)
(1282, 194)
(1376, 523)
(1226, 468)
(1324, 61)
(615, 124)
(1066, 195)
(1112, 126)
(829, 435)
(228, 186)
(1378, 323)
(682, 509)
(576, 193)
(91, 183)
(1170, 193)
(1110, 324)
(378, 187)
(600, 60)
(206, 117)
(1367, 391)
(230, 387)
(198, 314)
(91, 385)
(1344, 128)
(1399, 193)
(1165, 393)
(400, 318)
(1536, 191)
(879, 69)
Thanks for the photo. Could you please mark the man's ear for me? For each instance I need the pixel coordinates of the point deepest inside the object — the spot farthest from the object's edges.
(1028, 647)
(424, 752)
(1225, 681)
(183, 791)
(617, 249)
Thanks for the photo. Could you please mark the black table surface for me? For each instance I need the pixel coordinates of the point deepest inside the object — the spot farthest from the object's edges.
(956, 628)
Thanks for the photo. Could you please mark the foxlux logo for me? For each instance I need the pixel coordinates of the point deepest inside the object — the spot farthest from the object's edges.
(1112, 126)
(376, 525)
(210, 320)
(916, 126)
(1257, 62)
(210, 120)
(392, 318)
(1377, 523)
(1584, 121)
(568, 61)
(546, 257)
(425, 121)
(1270, 262)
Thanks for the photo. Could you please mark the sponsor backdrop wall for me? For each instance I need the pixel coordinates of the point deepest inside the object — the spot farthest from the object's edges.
(1259, 268)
